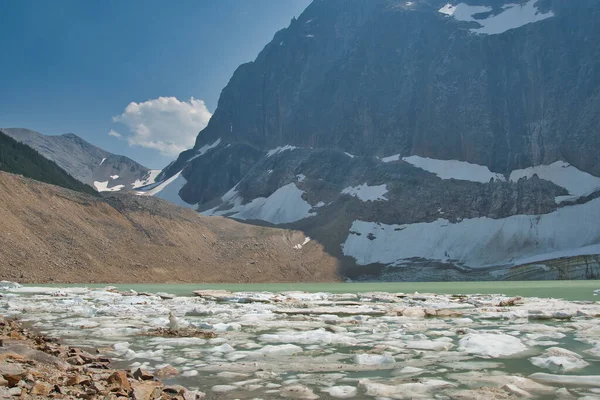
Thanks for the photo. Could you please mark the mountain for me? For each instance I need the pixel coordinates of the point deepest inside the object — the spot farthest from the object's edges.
(417, 140)
(85, 162)
(21, 159)
(54, 234)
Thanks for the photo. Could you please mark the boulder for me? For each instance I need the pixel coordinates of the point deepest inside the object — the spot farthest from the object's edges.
(120, 378)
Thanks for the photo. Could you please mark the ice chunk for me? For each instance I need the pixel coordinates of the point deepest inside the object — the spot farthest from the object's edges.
(411, 390)
(374, 359)
(581, 380)
(492, 345)
(319, 336)
(297, 392)
(341, 392)
(223, 388)
(557, 359)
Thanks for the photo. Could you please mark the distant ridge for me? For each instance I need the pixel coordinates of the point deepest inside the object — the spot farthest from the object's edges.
(85, 162)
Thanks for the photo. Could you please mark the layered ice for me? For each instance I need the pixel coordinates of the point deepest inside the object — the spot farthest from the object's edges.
(576, 182)
(480, 242)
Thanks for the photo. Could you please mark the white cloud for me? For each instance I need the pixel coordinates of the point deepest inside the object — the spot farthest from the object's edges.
(165, 124)
(114, 133)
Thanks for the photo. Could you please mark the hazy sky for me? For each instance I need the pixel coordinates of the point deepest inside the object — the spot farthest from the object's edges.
(76, 66)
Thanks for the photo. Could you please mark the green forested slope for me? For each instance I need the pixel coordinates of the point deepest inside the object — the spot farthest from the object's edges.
(18, 158)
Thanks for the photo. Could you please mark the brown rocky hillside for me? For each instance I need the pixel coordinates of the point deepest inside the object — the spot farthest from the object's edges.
(51, 234)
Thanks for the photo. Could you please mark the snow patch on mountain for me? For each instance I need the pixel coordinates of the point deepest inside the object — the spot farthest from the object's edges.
(169, 190)
(149, 179)
(480, 242)
(300, 246)
(113, 177)
(280, 149)
(451, 169)
(285, 205)
(202, 150)
(103, 187)
(365, 192)
(563, 174)
(512, 16)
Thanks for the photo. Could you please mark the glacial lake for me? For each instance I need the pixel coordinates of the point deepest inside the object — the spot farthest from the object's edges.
(343, 340)
(568, 290)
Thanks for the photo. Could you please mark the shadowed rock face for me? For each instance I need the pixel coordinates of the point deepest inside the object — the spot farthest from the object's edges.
(82, 160)
(388, 77)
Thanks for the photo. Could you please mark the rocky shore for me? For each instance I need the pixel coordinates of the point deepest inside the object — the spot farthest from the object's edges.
(37, 367)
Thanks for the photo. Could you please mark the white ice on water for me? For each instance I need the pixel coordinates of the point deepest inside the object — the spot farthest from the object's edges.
(366, 346)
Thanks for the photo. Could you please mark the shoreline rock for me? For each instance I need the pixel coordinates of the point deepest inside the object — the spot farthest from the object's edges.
(34, 366)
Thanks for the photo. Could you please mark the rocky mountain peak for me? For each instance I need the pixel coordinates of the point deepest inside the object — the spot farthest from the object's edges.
(401, 113)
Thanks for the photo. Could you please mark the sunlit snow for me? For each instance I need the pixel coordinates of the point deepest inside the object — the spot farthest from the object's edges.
(480, 242)
(103, 187)
(285, 205)
(450, 169)
(202, 150)
(169, 190)
(512, 16)
(149, 179)
(563, 174)
(280, 149)
(365, 192)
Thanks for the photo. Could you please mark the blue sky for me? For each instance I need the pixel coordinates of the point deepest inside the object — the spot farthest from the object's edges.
(75, 66)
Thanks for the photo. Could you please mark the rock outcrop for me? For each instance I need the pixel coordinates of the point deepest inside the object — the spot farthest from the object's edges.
(365, 119)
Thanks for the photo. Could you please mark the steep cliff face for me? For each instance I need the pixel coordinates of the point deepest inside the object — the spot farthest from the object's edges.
(364, 120)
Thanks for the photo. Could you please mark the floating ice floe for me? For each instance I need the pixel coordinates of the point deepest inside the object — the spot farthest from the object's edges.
(289, 344)
(374, 359)
(559, 360)
(493, 345)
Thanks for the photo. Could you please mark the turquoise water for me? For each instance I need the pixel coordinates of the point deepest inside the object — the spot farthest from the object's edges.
(569, 290)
